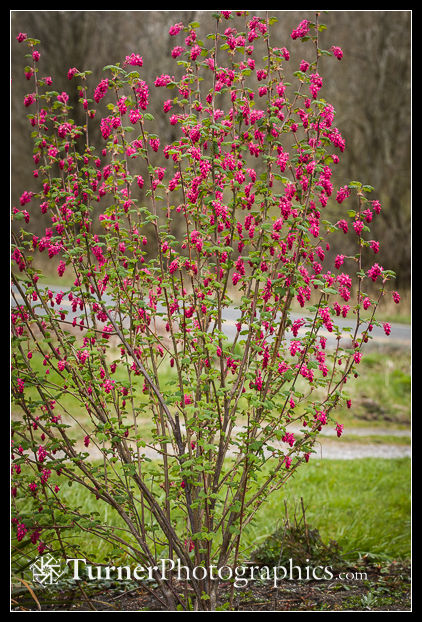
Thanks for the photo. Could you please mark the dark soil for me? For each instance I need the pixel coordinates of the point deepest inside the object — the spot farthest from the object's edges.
(367, 587)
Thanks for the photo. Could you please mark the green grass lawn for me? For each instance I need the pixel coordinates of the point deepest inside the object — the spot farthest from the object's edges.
(382, 392)
(381, 395)
(362, 504)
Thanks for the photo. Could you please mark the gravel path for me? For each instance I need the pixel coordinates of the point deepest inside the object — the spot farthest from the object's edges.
(350, 451)
(328, 446)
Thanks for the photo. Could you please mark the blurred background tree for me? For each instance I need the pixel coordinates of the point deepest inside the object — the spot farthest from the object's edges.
(369, 89)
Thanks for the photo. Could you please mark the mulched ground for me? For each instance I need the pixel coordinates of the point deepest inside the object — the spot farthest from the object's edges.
(385, 588)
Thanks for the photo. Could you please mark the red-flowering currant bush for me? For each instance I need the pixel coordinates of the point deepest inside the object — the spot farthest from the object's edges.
(171, 379)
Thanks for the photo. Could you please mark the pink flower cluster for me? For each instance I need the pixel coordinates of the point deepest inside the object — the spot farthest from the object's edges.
(134, 60)
(338, 52)
(301, 30)
(101, 90)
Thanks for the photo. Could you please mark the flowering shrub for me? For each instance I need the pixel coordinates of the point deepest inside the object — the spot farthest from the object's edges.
(171, 380)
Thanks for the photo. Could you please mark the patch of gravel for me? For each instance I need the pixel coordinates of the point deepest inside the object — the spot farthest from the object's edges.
(350, 451)
(327, 447)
